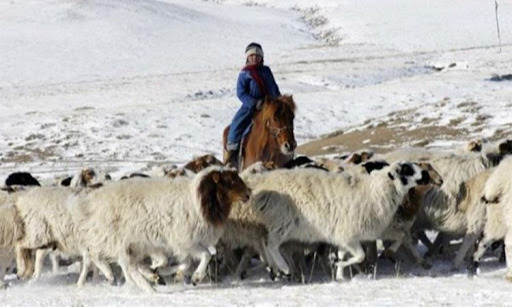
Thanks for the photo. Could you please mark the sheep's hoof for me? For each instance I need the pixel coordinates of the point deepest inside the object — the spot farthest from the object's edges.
(179, 277)
(160, 281)
(196, 278)
(502, 258)
(112, 281)
(243, 275)
(472, 268)
(271, 274)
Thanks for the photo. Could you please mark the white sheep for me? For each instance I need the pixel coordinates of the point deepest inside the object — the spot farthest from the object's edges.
(498, 192)
(399, 231)
(11, 230)
(49, 225)
(340, 209)
(439, 210)
(184, 217)
(474, 211)
(88, 177)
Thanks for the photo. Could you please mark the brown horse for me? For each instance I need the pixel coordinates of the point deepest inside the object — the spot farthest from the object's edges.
(271, 138)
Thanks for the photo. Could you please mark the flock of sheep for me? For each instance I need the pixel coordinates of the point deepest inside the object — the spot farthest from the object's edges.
(330, 211)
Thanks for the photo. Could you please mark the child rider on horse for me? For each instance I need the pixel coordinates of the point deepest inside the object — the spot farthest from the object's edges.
(255, 81)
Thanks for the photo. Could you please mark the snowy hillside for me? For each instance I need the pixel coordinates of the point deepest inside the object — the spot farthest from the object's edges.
(124, 85)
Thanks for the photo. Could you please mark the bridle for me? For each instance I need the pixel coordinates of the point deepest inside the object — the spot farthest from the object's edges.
(276, 131)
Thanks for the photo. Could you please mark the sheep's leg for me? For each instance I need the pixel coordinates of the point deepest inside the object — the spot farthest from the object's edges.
(54, 257)
(422, 236)
(105, 269)
(24, 262)
(413, 252)
(357, 252)
(370, 261)
(179, 269)
(204, 255)
(483, 245)
(324, 254)
(123, 262)
(397, 237)
(508, 254)
(40, 256)
(139, 279)
(158, 260)
(270, 261)
(131, 273)
(150, 274)
(439, 242)
(467, 243)
(4, 263)
(275, 254)
(287, 251)
(300, 259)
(86, 264)
(244, 263)
(339, 269)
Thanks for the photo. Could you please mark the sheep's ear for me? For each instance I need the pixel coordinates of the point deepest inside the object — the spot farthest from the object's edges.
(12, 189)
(216, 177)
(391, 176)
(7, 189)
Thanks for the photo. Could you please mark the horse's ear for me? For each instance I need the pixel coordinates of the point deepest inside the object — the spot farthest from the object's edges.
(288, 99)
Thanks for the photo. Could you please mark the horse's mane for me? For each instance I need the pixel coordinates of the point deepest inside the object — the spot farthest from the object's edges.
(280, 104)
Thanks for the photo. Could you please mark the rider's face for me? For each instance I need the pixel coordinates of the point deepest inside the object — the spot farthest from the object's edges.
(254, 59)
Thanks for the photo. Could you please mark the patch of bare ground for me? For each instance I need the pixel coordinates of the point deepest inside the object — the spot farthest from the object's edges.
(396, 132)
(25, 154)
(380, 139)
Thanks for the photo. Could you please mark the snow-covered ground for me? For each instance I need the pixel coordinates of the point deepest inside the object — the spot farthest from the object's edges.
(124, 85)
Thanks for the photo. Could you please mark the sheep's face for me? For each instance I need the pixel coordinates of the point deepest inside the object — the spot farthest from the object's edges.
(91, 178)
(218, 190)
(407, 175)
(474, 146)
(231, 188)
(177, 172)
(374, 165)
(434, 177)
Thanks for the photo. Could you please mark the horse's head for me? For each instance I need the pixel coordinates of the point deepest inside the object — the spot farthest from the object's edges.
(277, 115)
